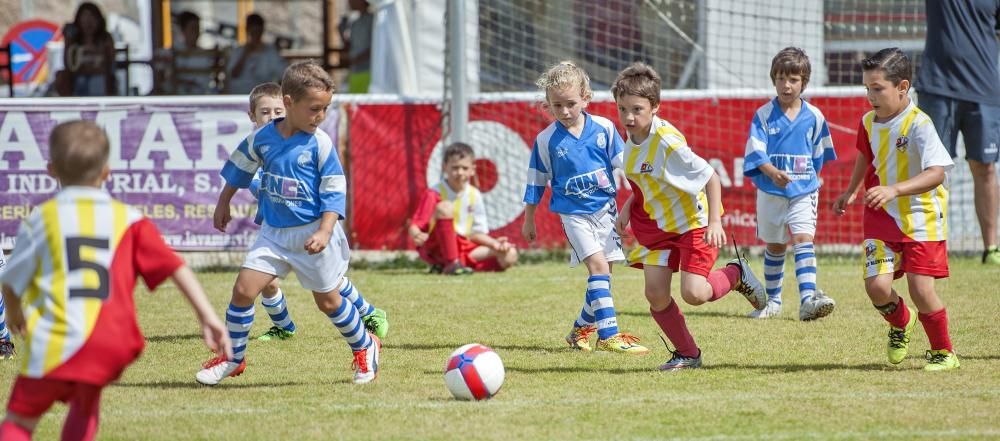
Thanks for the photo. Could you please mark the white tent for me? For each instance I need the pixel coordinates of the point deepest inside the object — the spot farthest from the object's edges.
(409, 47)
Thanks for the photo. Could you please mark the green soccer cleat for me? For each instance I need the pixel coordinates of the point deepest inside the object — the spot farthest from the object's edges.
(622, 343)
(377, 323)
(579, 338)
(941, 360)
(992, 256)
(899, 340)
(276, 333)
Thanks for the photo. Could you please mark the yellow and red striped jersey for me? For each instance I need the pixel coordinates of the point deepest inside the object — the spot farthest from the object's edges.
(74, 268)
(469, 210)
(668, 181)
(899, 150)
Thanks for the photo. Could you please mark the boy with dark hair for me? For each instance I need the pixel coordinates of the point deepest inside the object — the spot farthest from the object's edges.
(904, 166)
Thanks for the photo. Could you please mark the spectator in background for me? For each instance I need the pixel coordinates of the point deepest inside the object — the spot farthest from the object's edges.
(609, 32)
(959, 86)
(357, 36)
(192, 66)
(89, 54)
(253, 63)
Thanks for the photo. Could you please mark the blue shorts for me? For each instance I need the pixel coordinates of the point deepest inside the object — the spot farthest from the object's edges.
(979, 124)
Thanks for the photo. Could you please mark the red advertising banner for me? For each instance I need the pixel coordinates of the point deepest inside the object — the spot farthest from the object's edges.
(395, 154)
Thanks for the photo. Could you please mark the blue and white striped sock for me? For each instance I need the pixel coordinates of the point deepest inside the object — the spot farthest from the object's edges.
(805, 270)
(774, 275)
(348, 322)
(354, 296)
(4, 333)
(238, 322)
(586, 317)
(278, 310)
(599, 297)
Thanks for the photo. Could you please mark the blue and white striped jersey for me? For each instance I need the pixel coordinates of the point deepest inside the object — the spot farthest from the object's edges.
(579, 169)
(301, 176)
(798, 147)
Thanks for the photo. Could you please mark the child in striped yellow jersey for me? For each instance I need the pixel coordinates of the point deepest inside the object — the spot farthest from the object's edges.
(69, 289)
(904, 166)
(675, 211)
(450, 227)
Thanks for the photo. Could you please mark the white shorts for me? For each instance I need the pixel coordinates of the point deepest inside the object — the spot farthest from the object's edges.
(590, 233)
(280, 250)
(776, 215)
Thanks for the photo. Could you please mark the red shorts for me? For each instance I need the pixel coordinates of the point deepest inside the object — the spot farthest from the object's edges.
(32, 397)
(898, 258)
(686, 252)
(431, 253)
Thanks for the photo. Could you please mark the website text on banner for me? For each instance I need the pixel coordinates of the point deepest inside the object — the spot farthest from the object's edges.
(165, 160)
(395, 154)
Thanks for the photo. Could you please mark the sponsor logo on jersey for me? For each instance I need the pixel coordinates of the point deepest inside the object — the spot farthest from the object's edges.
(646, 168)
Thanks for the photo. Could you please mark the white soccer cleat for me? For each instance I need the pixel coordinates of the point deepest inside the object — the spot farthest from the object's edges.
(749, 285)
(772, 309)
(818, 306)
(217, 369)
(366, 361)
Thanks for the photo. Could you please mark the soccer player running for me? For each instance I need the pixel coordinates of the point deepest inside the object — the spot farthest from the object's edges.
(69, 289)
(577, 154)
(903, 165)
(302, 199)
(788, 144)
(676, 215)
(266, 105)
(450, 226)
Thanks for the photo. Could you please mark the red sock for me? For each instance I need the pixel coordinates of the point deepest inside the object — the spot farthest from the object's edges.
(671, 321)
(12, 432)
(900, 317)
(723, 280)
(936, 327)
(444, 233)
(84, 409)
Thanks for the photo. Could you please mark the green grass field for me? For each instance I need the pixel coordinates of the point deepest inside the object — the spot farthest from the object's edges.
(777, 379)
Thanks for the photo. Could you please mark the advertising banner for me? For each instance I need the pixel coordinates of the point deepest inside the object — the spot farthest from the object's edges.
(165, 161)
(396, 154)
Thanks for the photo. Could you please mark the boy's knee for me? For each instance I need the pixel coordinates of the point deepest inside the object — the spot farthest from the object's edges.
(328, 302)
(443, 210)
(691, 296)
(271, 289)
(658, 299)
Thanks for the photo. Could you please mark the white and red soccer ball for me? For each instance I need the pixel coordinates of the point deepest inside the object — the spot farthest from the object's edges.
(474, 372)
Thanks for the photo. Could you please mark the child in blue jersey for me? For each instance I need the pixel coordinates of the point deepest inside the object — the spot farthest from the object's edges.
(6, 345)
(266, 105)
(302, 197)
(576, 154)
(788, 144)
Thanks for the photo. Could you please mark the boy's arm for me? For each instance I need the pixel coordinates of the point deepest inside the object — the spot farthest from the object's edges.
(212, 330)
(714, 235)
(851, 193)
(318, 241)
(528, 229)
(222, 215)
(926, 181)
(779, 177)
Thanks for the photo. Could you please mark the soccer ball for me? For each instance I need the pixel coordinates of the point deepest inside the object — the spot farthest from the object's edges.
(474, 372)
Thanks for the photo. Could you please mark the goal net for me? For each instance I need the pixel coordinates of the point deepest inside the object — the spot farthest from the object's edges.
(714, 58)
